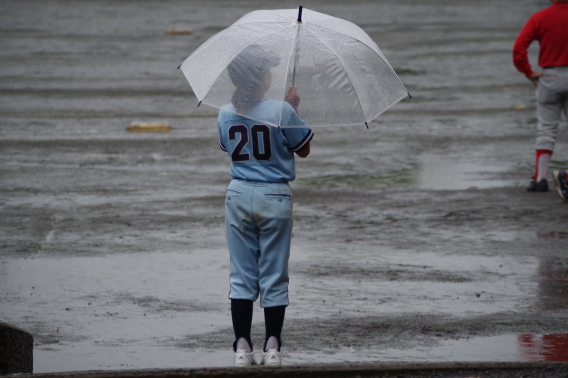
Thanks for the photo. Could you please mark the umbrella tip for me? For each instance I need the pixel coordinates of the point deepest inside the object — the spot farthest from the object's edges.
(300, 13)
(366, 124)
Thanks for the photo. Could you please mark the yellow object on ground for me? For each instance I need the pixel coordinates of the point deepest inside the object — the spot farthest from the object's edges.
(159, 127)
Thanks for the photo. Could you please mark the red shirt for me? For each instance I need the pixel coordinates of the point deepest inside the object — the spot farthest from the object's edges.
(550, 28)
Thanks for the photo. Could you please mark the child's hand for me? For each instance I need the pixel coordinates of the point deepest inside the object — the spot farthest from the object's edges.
(292, 98)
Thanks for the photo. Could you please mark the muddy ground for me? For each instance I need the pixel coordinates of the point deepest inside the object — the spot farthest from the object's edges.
(414, 240)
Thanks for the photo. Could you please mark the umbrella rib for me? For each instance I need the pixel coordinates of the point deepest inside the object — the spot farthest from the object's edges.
(346, 72)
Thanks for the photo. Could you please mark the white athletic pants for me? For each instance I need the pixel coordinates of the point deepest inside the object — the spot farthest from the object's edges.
(552, 99)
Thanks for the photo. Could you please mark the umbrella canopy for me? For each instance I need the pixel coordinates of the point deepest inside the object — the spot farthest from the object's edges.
(341, 75)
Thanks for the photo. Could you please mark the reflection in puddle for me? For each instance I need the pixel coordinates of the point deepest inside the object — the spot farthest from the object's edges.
(503, 348)
(524, 347)
(544, 348)
(553, 284)
(552, 235)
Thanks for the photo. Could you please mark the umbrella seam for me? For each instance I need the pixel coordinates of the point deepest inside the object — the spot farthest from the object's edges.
(346, 72)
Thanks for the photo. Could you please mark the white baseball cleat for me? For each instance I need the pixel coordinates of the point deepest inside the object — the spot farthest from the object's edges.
(244, 358)
(271, 358)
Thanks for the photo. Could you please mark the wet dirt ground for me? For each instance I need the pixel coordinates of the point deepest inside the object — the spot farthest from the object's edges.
(414, 240)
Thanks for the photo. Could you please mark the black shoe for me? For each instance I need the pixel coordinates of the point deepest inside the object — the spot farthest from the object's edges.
(541, 186)
(561, 184)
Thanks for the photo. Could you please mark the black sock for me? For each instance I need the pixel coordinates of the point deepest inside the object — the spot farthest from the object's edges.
(241, 312)
(273, 321)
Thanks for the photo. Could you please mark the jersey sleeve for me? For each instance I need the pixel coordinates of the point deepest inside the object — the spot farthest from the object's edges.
(221, 142)
(221, 145)
(298, 137)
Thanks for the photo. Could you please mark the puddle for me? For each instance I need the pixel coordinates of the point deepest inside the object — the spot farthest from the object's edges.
(440, 174)
(505, 348)
(433, 173)
(494, 349)
(502, 348)
(404, 177)
(134, 310)
(116, 311)
(553, 284)
(394, 281)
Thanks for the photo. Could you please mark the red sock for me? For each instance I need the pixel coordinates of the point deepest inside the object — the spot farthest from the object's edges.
(539, 153)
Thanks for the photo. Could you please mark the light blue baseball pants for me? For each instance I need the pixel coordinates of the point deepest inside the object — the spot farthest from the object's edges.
(258, 225)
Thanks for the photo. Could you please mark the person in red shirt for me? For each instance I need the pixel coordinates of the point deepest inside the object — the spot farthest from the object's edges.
(550, 28)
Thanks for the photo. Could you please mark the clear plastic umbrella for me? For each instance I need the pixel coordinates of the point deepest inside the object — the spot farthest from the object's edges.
(341, 75)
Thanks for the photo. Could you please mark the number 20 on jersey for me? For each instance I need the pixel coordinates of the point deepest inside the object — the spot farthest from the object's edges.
(241, 133)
